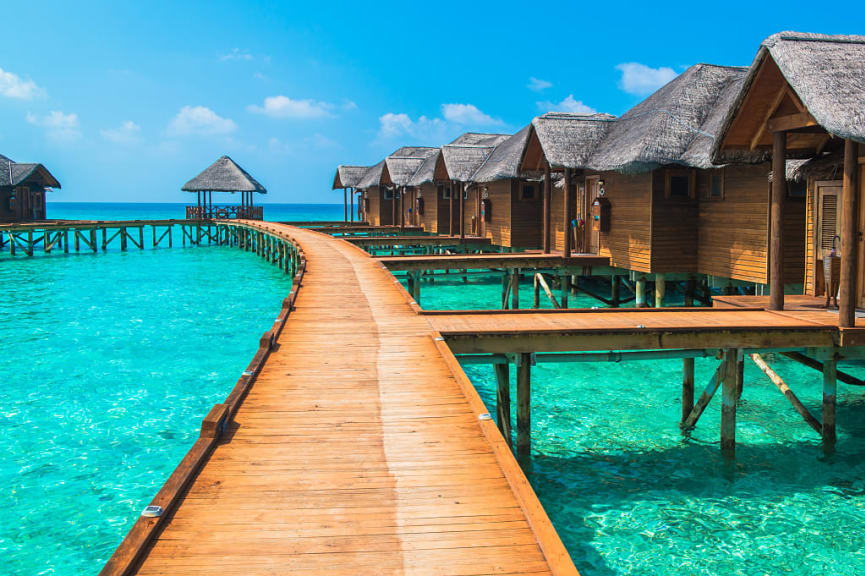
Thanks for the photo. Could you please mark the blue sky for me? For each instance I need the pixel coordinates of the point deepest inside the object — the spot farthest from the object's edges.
(126, 101)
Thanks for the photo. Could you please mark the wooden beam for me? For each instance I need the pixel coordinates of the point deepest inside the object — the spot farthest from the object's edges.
(547, 207)
(776, 238)
(694, 415)
(761, 129)
(503, 402)
(729, 399)
(524, 406)
(791, 122)
(788, 394)
(816, 365)
(829, 396)
(687, 389)
(849, 256)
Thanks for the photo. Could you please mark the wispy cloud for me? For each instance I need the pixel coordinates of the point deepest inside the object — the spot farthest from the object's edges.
(393, 125)
(569, 104)
(126, 133)
(13, 86)
(237, 54)
(58, 126)
(200, 120)
(641, 80)
(468, 115)
(285, 107)
(538, 85)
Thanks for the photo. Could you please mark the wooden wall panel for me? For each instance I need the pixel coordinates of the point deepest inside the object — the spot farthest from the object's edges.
(374, 196)
(674, 228)
(526, 223)
(429, 218)
(811, 286)
(628, 243)
(444, 211)
(734, 232)
(794, 241)
(498, 229)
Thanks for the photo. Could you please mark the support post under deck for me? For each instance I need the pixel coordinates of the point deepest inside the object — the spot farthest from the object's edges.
(503, 402)
(524, 406)
(829, 395)
(729, 397)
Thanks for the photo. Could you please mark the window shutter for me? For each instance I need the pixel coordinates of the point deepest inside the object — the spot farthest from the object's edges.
(828, 224)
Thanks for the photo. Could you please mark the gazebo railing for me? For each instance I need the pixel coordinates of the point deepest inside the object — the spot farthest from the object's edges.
(224, 212)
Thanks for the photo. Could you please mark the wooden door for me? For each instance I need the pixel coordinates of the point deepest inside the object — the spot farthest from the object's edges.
(593, 186)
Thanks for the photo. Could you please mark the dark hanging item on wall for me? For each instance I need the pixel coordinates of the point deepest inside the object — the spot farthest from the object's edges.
(601, 215)
(366, 204)
(487, 209)
(420, 205)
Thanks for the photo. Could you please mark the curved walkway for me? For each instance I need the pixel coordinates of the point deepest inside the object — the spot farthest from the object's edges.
(359, 450)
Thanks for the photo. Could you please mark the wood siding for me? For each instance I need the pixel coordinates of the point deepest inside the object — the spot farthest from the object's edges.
(429, 218)
(673, 227)
(526, 216)
(498, 229)
(629, 241)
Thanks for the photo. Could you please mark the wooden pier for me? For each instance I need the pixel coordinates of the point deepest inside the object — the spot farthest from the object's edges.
(361, 447)
(469, 242)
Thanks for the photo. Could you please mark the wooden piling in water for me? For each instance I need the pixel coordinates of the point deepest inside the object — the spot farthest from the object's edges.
(524, 406)
(503, 402)
(829, 399)
(729, 399)
(687, 389)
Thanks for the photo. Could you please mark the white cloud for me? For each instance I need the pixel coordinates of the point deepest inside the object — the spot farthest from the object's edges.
(237, 54)
(285, 107)
(13, 86)
(468, 114)
(58, 126)
(126, 133)
(200, 120)
(394, 125)
(538, 85)
(567, 105)
(641, 80)
(349, 105)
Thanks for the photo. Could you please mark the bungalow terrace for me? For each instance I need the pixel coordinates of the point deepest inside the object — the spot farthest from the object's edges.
(22, 190)
(348, 178)
(648, 195)
(804, 96)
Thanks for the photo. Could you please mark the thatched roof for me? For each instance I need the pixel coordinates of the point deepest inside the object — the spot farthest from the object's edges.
(504, 161)
(568, 140)
(426, 172)
(372, 176)
(461, 161)
(667, 127)
(15, 173)
(479, 139)
(224, 175)
(348, 176)
(826, 73)
(402, 164)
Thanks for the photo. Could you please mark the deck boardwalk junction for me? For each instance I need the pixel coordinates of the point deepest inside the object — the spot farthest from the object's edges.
(361, 448)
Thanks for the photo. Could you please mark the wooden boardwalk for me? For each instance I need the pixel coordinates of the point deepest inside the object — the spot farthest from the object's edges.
(362, 448)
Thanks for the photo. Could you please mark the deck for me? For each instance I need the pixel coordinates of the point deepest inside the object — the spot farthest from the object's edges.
(531, 260)
(359, 450)
(470, 241)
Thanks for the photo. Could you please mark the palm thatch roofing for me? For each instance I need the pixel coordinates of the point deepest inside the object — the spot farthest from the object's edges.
(672, 125)
(426, 171)
(402, 164)
(827, 75)
(568, 140)
(504, 161)
(372, 176)
(15, 173)
(461, 161)
(224, 175)
(348, 176)
(479, 139)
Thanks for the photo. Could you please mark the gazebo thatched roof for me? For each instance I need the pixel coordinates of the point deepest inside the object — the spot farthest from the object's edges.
(402, 164)
(224, 175)
(825, 72)
(14, 174)
(568, 140)
(348, 176)
(504, 161)
(666, 127)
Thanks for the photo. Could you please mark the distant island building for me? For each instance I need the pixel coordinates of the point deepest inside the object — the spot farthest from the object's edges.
(224, 175)
(22, 190)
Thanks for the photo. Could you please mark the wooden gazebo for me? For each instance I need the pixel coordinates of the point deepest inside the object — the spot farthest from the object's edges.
(224, 175)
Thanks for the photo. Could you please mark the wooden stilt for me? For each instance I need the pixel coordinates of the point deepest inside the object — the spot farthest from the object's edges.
(547, 208)
(615, 290)
(565, 280)
(704, 399)
(729, 385)
(524, 406)
(515, 289)
(123, 239)
(849, 233)
(687, 389)
(829, 400)
(689, 291)
(566, 216)
(506, 285)
(141, 237)
(503, 402)
(66, 241)
(660, 290)
(640, 300)
(537, 292)
(776, 226)
(788, 394)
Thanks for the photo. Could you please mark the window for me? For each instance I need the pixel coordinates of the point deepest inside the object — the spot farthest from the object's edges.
(528, 192)
(388, 194)
(715, 184)
(679, 184)
(797, 189)
(445, 192)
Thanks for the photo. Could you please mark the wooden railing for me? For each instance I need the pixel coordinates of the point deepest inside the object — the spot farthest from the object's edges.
(224, 212)
(134, 546)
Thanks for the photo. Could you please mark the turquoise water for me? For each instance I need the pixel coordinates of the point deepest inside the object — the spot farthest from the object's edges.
(629, 496)
(110, 362)
(154, 211)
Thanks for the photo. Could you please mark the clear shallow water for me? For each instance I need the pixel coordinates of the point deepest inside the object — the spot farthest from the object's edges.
(629, 496)
(110, 362)
(154, 211)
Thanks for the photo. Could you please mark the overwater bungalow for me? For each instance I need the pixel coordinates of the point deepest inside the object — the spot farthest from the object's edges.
(224, 175)
(22, 190)
(804, 96)
(648, 195)
(398, 170)
(348, 178)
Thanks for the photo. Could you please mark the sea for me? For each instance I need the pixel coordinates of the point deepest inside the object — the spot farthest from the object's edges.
(111, 360)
